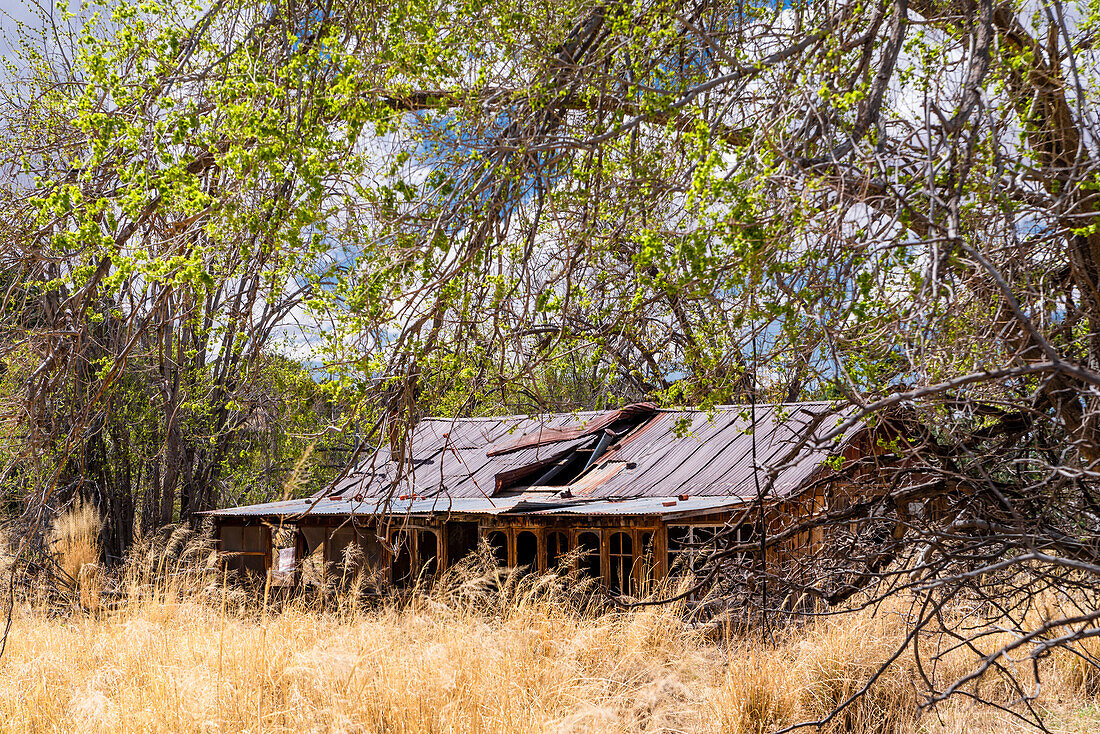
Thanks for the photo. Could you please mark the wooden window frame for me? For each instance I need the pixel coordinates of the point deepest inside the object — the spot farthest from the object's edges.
(694, 553)
(484, 531)
(616, 560)
(598, 532)
(545, 559)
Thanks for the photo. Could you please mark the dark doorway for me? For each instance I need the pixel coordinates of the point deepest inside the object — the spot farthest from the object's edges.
(428, 552)
(527, 550)
(461, 540)
(498, 542)
(401, 567)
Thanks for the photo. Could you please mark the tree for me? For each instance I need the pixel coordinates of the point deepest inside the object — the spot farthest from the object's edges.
(169, 211)
(893, 203)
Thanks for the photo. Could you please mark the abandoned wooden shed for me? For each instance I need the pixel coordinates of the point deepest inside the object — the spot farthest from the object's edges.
(634, 493)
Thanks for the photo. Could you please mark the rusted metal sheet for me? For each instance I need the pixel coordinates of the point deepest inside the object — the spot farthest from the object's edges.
(545, 435)
(674, 454)
(590, 482)
(496, 506)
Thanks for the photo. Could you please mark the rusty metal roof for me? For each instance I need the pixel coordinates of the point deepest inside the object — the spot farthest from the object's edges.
(449, 456)
(481, 465)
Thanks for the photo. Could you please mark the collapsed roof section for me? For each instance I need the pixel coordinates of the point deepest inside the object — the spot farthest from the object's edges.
(636, 460)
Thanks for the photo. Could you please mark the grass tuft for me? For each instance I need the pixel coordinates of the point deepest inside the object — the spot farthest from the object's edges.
(74, 543)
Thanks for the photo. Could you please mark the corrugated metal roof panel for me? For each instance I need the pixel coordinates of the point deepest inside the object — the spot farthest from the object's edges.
(715, 458)
(567, 431)
(496, 506)
(370, 507)
(646, 506)
(267, 509)
(703, 445)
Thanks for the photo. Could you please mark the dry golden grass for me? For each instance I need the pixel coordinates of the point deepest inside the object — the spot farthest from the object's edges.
(75, 537)
(75, 545)
(192, 656)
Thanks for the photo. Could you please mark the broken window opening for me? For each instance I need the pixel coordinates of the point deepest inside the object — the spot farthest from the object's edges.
(686, 553)
(689, 546)
(557, 547)
(746, 533)
(311, 566)
(621, 557)
(527, 550)
(565, 470)
(284, 559)
(313, 536)
(678, 540)
(589, 545)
